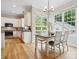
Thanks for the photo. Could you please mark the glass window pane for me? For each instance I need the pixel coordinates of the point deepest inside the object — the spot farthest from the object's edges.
(73, 12)
(38, 20)
(73, 15)
(69, 17)
(73, 18)
(38, 24)
(38, 28)
(44, 28)
(65, 16)
(58, 17)
(69, 23)
(44, 21)
(69, 13)
(73, 23)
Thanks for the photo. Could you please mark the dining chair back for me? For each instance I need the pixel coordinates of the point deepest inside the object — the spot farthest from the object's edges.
(57, 40)
(58, 35)
(65, 37)
(65, 40)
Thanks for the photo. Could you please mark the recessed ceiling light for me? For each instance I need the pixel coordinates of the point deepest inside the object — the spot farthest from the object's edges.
(14, 6)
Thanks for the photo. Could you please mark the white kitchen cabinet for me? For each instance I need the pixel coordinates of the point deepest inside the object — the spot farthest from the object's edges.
(27, 37)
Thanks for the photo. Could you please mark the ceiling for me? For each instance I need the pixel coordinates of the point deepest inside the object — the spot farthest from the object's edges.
(16, 7)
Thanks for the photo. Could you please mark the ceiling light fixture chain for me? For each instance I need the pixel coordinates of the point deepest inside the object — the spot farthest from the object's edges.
(48, 10)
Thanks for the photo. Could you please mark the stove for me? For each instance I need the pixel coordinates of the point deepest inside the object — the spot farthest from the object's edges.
(8, 33)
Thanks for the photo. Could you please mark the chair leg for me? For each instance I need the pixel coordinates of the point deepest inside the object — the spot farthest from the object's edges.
(67, 46)
(41, 45)
(51, 48)
(45, 45)
(59, 49)
(63, 47)
(54, 53)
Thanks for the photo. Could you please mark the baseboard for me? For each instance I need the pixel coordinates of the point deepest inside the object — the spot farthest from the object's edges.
(72, 45)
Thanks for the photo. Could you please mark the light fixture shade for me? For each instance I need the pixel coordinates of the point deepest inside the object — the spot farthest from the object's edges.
(45, 9)
(52, 8)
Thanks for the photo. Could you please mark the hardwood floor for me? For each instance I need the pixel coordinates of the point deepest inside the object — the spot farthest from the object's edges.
(15, 49)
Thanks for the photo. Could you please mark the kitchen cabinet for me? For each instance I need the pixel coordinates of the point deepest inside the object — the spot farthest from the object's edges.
(27, 37)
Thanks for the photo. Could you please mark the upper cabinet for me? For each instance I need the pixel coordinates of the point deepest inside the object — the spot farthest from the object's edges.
(15, 22)
(28, 18)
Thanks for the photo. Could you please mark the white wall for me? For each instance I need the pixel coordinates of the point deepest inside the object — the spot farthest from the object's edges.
(2, 40)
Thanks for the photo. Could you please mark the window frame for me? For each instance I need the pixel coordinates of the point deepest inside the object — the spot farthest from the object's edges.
(69, 16)
(41, 25)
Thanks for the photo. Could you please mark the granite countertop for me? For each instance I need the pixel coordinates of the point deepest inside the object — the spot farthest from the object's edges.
(3, 29)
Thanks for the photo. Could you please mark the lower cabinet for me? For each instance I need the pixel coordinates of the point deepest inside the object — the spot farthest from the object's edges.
(27, 37)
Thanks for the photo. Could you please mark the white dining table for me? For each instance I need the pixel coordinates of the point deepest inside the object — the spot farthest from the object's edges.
(44, 38)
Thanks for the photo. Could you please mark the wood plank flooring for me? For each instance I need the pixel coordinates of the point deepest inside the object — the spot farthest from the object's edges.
(15, 49)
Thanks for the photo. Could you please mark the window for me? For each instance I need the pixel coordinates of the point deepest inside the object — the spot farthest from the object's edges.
(69, 17)
(44, 24)
(38, 24)
(58, 18)
(41, 24)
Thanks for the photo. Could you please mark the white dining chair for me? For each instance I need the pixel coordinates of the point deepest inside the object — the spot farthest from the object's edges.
(64, 40)
(56, 42)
